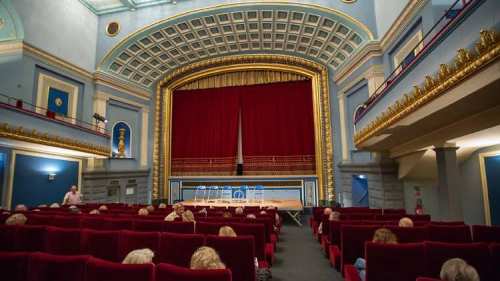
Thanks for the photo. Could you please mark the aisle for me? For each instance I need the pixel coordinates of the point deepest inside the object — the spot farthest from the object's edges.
(299, 258)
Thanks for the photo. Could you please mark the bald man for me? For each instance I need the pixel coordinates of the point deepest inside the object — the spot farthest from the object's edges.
(72, 197)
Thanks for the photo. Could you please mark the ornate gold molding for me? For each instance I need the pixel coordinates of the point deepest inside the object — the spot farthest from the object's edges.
(107, 80)
(466, 63)
(199, 70)
(34, 136)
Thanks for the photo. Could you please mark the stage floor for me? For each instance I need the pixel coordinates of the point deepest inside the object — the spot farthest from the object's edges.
(282, 205)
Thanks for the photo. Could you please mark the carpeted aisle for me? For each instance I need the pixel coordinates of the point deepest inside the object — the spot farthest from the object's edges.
(299, 257)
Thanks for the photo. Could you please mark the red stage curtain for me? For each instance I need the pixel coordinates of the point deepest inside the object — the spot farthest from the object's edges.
(205, 131)
(278, 128)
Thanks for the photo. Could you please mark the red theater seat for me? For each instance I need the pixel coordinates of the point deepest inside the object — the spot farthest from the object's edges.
(63, 241)
(475, 254)
(427, 279)
(178, 248)
(484, 233)
(148, 225)
(13, 266)
(130, 240)
(178, 227)
(31, 238)
(450, 233)
(39, 219)
(410, 234)
(208, 227)
(118, 224)
(495, 256)
(353, 238)
(101, 270)
(67, 221)
(237, 253)
(8, 237)
(47, 267)
(168, 272)
(93, 222)
(258, 233)
(394, 262)
(100, 244)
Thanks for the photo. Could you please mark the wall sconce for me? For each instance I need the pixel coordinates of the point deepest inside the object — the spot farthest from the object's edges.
(52, 176)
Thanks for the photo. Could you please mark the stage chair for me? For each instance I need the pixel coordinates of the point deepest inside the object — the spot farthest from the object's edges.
(450, 233)
(101, 270)
(101, 244)
(63, 241)
(169, 272)
(177, 248)
(200, 193)
(237, 253)
(131, 240)
(48, 267)
(475, 254)
(14, 266)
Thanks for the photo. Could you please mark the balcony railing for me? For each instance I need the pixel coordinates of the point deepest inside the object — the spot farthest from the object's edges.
(429, 40)
(44, 113)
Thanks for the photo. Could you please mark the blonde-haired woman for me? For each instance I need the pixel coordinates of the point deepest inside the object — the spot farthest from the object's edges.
(227, 231)
(21, 208)
(405, 222)
(143, 212)
(103, 208)
(177, 212)
(206, 258)
(16, 219)
(188, 216)
(141, 256)
(458, 270)
(382, 236)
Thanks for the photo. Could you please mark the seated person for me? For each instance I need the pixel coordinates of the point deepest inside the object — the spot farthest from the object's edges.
(176, 213)
(162, 206)
(206, 258)
(143, 212)
(251, 216)
(238, 211)
(203, 212)
(42, 206)
(458, 270)
(94, 212)
(332, 216)
(141, 256)
(405, 222)
(103, 208)
(21, 208)
(55, 205)
(150, 208)
(227, 231)
(16, 219)
(226, 215)
(188, 216)
(263, 213)
(382, 236)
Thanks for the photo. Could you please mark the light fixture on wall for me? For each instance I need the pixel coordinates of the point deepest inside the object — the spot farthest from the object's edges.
(52, 176)
(99, 118)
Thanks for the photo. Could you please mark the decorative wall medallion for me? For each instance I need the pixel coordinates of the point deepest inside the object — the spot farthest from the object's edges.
(112, 29)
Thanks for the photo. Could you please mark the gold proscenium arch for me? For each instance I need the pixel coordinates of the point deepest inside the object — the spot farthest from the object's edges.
(283, 63)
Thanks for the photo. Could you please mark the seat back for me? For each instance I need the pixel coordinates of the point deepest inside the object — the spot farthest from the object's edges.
(258, 233)
(484, 233)
(101, 244)
(101, 270)
(93, 222)
(394, 262)
(14, 266)
(148, 225)
(131, 240)
(47, 267)
(63, 241)
(178, 248)
(31, 238)
(450, 233)
(410, 234)
(334, 230)
(67, 221)
(209, 227)
(495, 256)
(169, 272)
(475, 254)
(118, 224)
(8, 235)
(352, 239)
(237, 253)
(178, 227)
(39, 219)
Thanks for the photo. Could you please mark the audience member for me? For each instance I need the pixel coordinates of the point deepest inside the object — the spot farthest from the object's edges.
(326, 212)
(227, 231)
(238, 211)
(74, 210)
(206, 258)
(55, 205)
(458, 270)
(42, 206)
(251, 216)
(16, 219)
(36, 210)
(94, 212)
(382, 236)
(143, 212)
(21, 208)
(334, 216)
(162, 206)
(176, 213)
(150, 208)
(103, 208)
(405, 222)
(72, 197)
(141, 256)
(188, 216)
(263, 212)
(226, 215)
(203, 212)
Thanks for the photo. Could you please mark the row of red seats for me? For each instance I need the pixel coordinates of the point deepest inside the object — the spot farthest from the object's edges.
(236, 252)
(407, 262)
(22, 266)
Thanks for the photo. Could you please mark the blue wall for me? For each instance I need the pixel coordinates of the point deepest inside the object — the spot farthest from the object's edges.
(492, 167)
(31, 185)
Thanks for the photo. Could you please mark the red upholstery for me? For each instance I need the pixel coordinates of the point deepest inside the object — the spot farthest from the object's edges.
(475, 254)
(68, 221)
(129, 241)
(495, 256)
(31, 238)
(8, 237)
(357, 216)
(63, 241)
(427, 279)
(353, 238)
(258, 233)
(148, 225)
(101, 270)
(208, 227)
(237, 253)
(93, 222)
(450, 233)
(394, 262)
(47, 267)
(447, 223)
(39, 219)
(410, 234)
(168, 272)
(484, 233)
(178, 227)
(13, 266)
(118, 224)
(351, 273)
(100, 244)
(178, 248)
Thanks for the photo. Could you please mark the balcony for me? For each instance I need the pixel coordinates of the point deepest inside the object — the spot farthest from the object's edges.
(449, 54)
(24, 125)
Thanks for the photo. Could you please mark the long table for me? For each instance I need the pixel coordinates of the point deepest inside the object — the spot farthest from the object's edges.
(292, 207)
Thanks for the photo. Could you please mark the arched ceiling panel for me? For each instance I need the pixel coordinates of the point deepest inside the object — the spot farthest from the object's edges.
(323, 35)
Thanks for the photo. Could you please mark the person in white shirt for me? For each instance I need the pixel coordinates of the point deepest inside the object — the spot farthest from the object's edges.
(72, 197)
(176, 213)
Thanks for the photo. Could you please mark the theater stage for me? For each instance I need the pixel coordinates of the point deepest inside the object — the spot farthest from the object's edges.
(292, 207)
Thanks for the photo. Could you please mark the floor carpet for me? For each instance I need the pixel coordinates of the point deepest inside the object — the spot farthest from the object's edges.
(299, 257)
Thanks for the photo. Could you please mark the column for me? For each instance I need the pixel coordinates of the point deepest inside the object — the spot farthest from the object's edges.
(144, 137)
(375, 77)
(343, 129)
(449, 183)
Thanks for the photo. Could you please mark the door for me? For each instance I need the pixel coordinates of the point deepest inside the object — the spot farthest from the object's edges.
(492, 171)
(359, 191)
